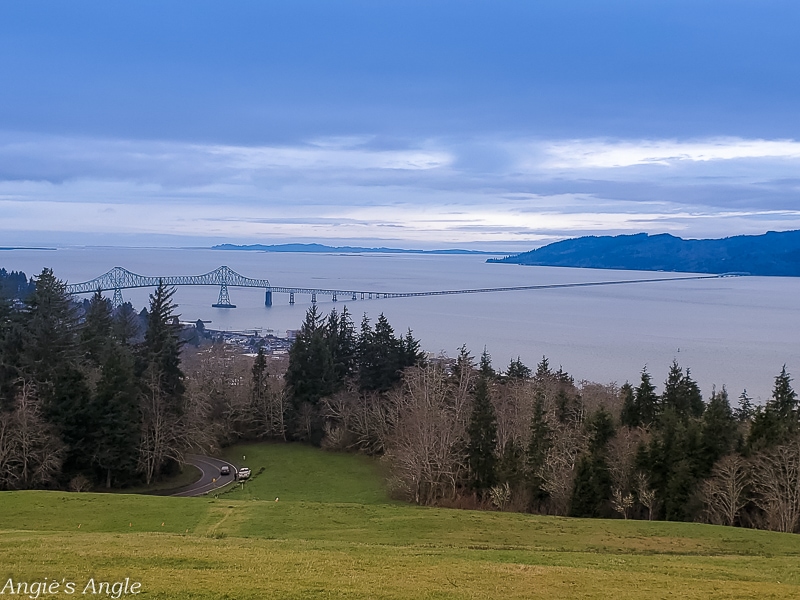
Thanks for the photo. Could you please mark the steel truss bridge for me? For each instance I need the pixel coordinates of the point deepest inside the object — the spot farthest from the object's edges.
(118, 279)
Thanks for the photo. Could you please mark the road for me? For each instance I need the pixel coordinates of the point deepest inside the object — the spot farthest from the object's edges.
(211, 479)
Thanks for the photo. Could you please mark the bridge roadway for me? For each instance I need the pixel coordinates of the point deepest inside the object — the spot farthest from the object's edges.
(118, 279)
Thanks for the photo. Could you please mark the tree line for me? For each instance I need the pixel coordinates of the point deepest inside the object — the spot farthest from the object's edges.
(95, 397)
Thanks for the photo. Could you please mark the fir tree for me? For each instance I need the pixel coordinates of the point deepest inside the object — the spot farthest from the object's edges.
(518, 371)
(482, 433)
(719, 431)
(646, 400)
(116, 414)
(630, 415)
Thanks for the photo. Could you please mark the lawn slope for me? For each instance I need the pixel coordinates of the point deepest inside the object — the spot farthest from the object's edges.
(358, 544)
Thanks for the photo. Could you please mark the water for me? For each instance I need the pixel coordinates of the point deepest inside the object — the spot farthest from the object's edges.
(732, 331)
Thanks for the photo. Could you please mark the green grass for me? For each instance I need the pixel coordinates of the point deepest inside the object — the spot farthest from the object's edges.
(293, 472)
(334, 534)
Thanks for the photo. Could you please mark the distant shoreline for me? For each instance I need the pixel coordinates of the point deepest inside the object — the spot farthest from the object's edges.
(321, 248)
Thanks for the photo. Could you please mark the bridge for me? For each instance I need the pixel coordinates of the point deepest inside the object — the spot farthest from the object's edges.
(118, 279)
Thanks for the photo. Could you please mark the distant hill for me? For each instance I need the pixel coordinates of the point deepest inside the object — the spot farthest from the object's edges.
(774, 253)
(339, 249)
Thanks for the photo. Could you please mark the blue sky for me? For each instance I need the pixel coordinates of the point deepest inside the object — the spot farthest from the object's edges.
(417, 124)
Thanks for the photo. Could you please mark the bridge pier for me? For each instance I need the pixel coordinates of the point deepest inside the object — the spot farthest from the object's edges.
(268, 298)
(313, 297)
(333, 298)
(291, 298)
(354, 295)
(224, 300)
(117, 301)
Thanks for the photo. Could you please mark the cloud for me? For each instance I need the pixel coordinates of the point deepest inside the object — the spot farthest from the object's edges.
(491, 191)
(598, 154)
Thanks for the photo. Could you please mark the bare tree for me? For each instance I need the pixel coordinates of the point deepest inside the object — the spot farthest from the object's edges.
(776, 482)
(426, 448)
(163, 435)
(647, 495)
(725, 492)
(622, 451)
(30, 451)
(558, 471)
(621, 502)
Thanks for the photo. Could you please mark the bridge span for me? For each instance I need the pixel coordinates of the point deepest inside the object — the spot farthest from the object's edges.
(118, 279)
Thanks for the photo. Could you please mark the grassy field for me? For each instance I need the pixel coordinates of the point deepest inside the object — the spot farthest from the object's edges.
(335, 534)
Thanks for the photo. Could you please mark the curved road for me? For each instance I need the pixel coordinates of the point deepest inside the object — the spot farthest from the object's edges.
(211, 479)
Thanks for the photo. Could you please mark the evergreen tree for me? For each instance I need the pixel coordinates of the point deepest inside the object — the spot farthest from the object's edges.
(518, 371)
(630, 415)
(50, 335)
(343, 344)
(646, 400)
(97, 331)
(117, 418)
(482, 433)
(126, 324)
(779, 420)
(485, 366)
(162, 387)
(538, 446)
(719, 431)
(310, 374)
(592, 488)
(745, 410)
(543, 372)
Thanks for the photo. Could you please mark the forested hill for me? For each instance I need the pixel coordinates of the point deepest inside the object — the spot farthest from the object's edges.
(774, 253)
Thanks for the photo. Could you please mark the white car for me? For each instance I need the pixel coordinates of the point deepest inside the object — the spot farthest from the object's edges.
(244, 473)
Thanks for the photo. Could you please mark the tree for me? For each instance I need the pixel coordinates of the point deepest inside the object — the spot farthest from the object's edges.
(719, 430)
(482, 433)
(30, 451)
(725, 492)
(539, 445)
(426, 446)
(776, 483)
(309, 377)
(646, 400)
(518, 371)
(266, 403)
(629, 416)
(592, 488)
(98, 325)
(162, 405)
(49, 348)
(779, 420)
(745, 410)
(115, 442)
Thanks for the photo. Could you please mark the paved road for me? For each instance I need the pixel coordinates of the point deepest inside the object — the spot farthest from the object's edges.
(211, 479)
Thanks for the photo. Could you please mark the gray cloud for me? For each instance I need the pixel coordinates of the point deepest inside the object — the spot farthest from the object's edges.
(488, 191)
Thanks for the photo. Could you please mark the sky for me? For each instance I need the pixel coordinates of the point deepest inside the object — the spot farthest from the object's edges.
(497, 125)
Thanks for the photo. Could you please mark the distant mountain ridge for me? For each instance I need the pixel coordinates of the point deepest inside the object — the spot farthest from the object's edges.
(341, 249)
(773, 253)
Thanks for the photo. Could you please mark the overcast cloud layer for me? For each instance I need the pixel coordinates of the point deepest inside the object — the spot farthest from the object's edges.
(498, 125)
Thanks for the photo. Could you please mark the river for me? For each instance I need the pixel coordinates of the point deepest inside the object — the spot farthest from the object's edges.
(733, 331)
